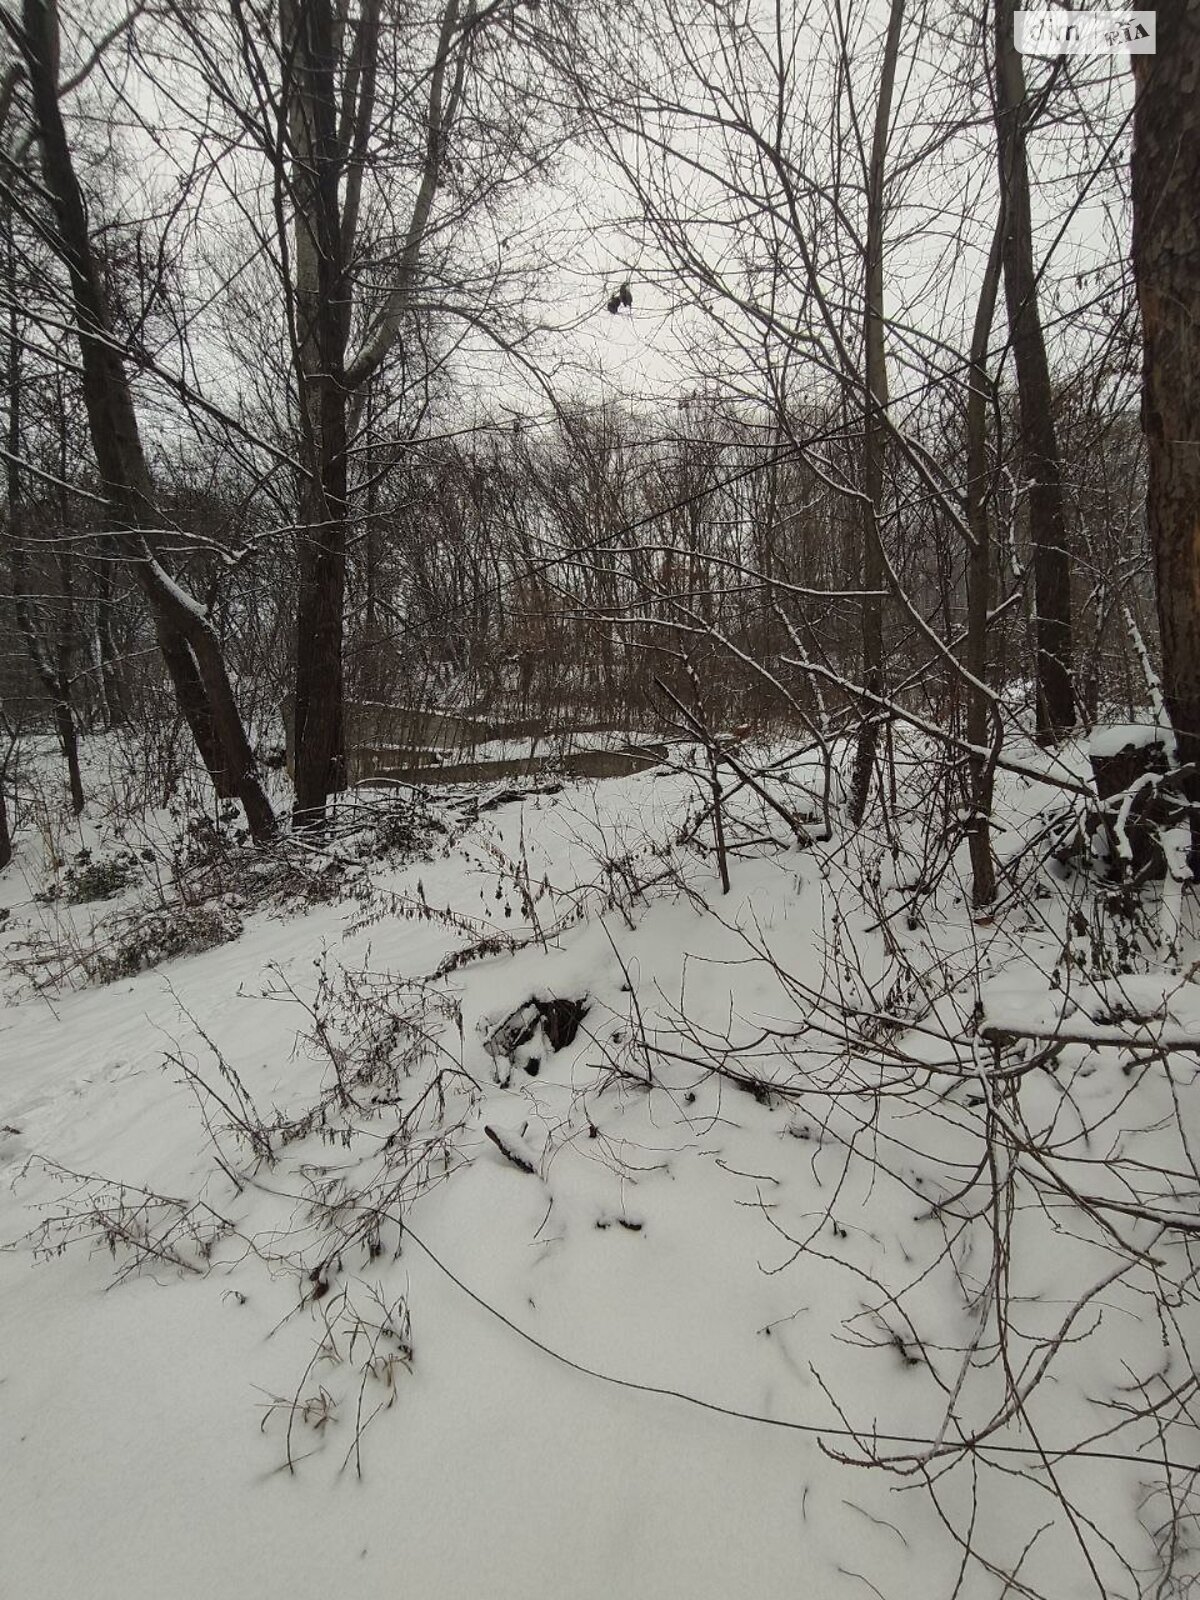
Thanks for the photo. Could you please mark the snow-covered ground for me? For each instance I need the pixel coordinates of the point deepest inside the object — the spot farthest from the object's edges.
(282, 1311)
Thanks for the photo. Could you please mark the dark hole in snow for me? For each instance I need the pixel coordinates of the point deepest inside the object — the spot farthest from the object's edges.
(561, 1019)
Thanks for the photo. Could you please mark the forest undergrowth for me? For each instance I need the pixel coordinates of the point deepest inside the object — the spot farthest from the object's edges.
(831, 1154)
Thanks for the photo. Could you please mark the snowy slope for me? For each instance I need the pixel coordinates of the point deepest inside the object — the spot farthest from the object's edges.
(348, 1350)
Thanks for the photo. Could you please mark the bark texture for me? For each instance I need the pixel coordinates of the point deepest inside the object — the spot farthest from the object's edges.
(1166, 260)
(321, 301)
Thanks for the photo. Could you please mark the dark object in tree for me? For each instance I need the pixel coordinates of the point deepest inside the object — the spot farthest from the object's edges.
(1039, 441)
(1166, 264)
(614, 305)
(625, 295)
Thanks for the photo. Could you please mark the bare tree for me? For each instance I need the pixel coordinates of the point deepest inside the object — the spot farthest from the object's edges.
(185, 633)
(329, 133)
(380, 142)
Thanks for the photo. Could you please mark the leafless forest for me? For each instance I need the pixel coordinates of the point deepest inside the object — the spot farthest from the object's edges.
(307, 316)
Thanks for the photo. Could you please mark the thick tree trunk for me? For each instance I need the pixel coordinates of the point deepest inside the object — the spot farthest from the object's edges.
(329, 134)
(320, 672)
(185, 635)
(1166, 261)
(1039, 444)
(309, 42)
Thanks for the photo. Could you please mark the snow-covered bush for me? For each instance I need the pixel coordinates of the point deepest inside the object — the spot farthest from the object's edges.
(157, 936)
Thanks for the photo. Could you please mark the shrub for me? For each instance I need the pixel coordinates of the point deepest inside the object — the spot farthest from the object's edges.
(182, 931)
(98, 878)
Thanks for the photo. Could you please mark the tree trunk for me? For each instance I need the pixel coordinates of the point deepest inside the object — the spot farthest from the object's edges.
(6, 849)
(1166, 262)
(310, 49)
(329, 135)
(1039, 444)
(64, 658)
(185, 635)
(320, 608)
(981, 717)
(55, 677)
(875, 405)
(112, 688)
